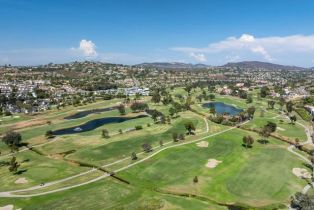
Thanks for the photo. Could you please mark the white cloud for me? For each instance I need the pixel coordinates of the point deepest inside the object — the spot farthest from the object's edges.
(87, 47)
(200, 57)
(278, 48)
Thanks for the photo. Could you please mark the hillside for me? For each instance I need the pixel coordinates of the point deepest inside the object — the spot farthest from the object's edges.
(263, 65)
(173, 65)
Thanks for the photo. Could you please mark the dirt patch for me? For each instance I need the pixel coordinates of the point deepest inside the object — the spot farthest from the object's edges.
(202, 144)
(281, 129)
(7, 207)
(27, 124)
(301, 173)
(212, 163)
(21, 180)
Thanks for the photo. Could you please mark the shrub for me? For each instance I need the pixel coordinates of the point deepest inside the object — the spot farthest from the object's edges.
(138, 127)
(303, 114)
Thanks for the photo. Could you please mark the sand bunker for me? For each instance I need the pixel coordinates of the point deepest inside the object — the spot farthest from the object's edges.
(7, 207)
(301, 173)
(202, 144)
(212, 163)
(281, 129)
(21, 180)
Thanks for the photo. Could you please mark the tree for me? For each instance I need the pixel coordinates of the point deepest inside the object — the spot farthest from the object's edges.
(14, 165)
(181, 137)
(121, 109)
(211, 97)
(188, 88)
(133, 156)
(249, 99)
(190, 128)
(172, 111)
(271, 126)
(265, 133)
(289, 106)
(177, 107)
(264, 92)
(293, 119)
(13, 140)
(138, 106)
(195, 179)
(175, 137)
(161, 143)
(147, 147)
(156, 97)
(281, 103)
(212, 110)
(271, 104)
(199, 98)
(251, 111)
(105, 133)
(248, 141)
(49, 134)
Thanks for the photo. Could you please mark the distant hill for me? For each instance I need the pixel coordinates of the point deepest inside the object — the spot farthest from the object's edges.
(264, 65)
(173, 65)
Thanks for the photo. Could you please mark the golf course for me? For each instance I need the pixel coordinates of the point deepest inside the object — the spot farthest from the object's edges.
(97, 157)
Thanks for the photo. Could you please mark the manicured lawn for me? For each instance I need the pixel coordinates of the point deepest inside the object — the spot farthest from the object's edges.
(108, 194)
(259, 176)
(37, 169)
(244, 176)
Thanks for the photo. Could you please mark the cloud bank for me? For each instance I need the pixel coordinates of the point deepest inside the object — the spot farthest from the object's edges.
(247, 46)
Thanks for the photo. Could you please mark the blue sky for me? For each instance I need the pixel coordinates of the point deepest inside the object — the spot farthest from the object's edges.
(134, 31)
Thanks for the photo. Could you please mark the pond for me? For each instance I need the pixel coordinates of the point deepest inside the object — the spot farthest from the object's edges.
(222, 108)
(93, 124)
(88, 112)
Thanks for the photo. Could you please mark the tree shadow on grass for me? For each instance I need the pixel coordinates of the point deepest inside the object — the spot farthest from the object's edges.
(247, 146)
(19, 172)
(263, 141)
(307, 165)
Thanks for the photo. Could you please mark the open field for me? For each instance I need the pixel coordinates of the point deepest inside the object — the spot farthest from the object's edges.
(241, 177)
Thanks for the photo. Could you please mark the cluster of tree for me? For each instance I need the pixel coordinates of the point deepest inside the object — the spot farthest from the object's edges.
(248, 141)
(147, 147)
(138, 127)
(177, 137)
(271, 126)
(190, 128)
(139, 106)
(251, 110)
(13, 140)
(308, 100)
(157, 116)
(121, 109)
(225, 119)
(264, 92)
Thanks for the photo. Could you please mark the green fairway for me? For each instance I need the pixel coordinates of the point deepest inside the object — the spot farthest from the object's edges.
(256, 173)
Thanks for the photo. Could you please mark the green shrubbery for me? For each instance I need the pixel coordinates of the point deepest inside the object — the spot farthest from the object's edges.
(303, 114)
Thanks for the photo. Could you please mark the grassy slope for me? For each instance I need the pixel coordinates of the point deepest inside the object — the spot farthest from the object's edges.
(245, 176)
